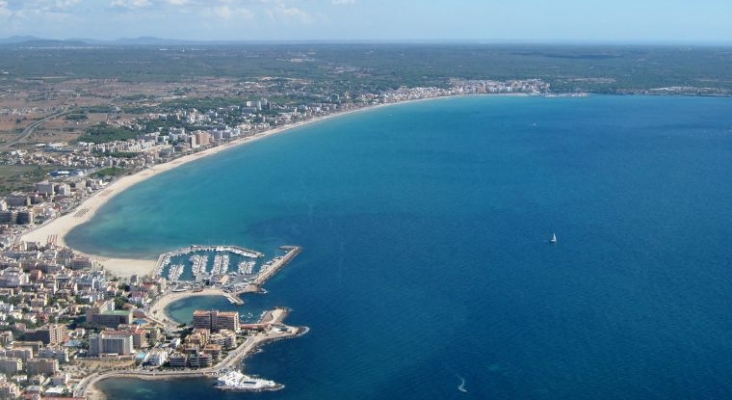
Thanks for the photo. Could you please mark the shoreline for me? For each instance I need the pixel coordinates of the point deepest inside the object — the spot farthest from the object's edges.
(56, 230)
(249, 347)
(158, 310)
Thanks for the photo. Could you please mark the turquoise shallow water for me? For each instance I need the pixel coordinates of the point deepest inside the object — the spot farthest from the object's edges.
(427, 260)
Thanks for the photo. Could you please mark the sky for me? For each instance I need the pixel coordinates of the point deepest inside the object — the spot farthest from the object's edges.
(605, 21)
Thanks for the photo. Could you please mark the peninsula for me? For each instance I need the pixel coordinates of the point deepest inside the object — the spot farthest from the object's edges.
(203, 355)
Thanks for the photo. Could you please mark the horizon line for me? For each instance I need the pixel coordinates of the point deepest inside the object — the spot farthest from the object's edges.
(20, 39)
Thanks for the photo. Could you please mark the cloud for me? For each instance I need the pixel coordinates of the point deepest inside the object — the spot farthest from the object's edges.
(38, 6)
(227, 13)
(131, 4)
(343, 2)
(64, 4)
(224, 12)
(5, 9)
(289, 14)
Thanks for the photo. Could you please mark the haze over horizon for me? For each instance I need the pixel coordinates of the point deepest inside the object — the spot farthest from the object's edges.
(622, 21)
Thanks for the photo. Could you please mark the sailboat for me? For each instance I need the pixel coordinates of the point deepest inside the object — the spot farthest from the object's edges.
(553, 239)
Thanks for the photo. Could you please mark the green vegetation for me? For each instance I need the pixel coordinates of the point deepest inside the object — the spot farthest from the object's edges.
(14, 300)
(104, 133)
(326, 69)
(162, 125)
(97, 109)
(135, 97)
(21, 177)
(204, 104)
(110, 172)
(119, 302)
(89, 326)
(136, 109)
(77, 116)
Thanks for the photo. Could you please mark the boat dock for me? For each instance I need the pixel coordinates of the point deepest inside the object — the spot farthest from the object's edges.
(233, 284)
(234, 299)
(164, 259)
(271, 268)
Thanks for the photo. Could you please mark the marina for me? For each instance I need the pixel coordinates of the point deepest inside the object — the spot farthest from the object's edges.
(228, 267)
(199, 270)
(240, 252)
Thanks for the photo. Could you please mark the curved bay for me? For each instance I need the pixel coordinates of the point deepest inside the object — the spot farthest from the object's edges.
(427, 260)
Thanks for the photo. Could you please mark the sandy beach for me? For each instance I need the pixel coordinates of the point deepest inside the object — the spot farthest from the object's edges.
(55, 231)
(157, 310)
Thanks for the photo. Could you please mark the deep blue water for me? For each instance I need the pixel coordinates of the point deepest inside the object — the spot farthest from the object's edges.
(427, 260)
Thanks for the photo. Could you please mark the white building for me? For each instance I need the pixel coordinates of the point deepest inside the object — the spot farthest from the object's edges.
(45, 188)
(111, 343)
(64, 190)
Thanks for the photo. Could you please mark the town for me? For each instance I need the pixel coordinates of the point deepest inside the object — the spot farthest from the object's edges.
(66, 322)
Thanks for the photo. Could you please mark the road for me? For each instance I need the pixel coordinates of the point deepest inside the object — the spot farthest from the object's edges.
(32, 127)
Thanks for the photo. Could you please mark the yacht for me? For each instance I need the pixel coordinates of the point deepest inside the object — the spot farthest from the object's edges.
(235, 380)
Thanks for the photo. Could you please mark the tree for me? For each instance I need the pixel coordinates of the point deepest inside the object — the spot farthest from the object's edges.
(119, 302)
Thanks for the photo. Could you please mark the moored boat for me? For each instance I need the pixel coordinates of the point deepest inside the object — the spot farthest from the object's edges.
(235, 380)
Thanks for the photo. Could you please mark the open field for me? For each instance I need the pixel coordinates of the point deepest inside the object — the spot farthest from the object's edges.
(12, 177)
(11, 123)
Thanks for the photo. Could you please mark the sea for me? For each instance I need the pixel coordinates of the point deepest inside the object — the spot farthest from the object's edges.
(427, 270)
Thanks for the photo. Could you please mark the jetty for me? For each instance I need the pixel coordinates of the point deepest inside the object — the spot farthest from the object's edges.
(272, 267)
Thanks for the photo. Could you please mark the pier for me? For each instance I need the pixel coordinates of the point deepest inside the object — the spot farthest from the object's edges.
(241, 279)
(271, 268)
(164, 259)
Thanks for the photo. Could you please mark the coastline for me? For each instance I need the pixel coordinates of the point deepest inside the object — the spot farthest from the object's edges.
(158, 309)
(270, 327)
(88, 387)
(55, 231)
